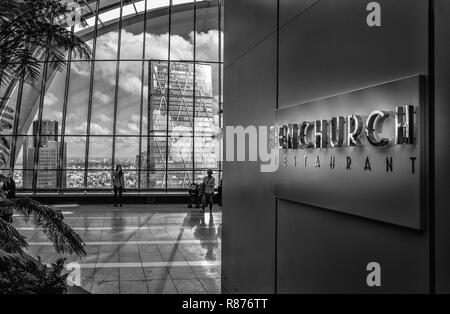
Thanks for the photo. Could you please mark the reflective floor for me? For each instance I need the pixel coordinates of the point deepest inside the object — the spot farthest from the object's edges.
(140, 248)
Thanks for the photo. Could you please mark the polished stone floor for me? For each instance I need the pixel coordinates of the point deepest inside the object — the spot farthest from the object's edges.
(142, 249)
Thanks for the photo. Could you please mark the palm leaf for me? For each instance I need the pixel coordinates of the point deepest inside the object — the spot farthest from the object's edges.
(30, 33)
(51, 222)
(10, 239)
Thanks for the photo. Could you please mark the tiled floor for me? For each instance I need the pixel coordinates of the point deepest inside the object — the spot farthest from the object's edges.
(140, 248)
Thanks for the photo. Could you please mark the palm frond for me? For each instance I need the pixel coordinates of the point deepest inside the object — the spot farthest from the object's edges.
(30, 31)
(51, 222)
(10, 239)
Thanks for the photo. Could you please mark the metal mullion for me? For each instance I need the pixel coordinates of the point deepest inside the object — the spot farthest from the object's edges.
(91, 86)
(127, 59)
(12, 157)
(220, 84)
(95, 14)
(116, 88)
(134, 6)
(149, 106)
(168, 91)
(142, 99)
(62, 150)
(37, 142)
(194, 81)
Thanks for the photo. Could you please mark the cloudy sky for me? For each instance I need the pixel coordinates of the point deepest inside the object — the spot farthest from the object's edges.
(129, 92)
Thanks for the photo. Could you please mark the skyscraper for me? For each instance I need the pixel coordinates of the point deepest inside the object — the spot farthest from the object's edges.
(188, 119)
(48, 172)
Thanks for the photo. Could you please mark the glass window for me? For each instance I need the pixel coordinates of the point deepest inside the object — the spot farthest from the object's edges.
(200, 174)
(181, 96)
(131, 179)
(53, 103)
(107, 44)
(74, 179)
(129, 98)
(127, 152)
(180, 156)
(182, 36)
(100, 153)
(179, 179)
(99, 179)
(103, 94)
(78, 98)
(5, 152)
(7, 117)
(206, 100)
(153, 179)
(207, 32)
(206, 150)
(132, 37)
(76, 150)
(156, 112)
(168, 103)
(153, 154)
(48, 179)
(157, 31)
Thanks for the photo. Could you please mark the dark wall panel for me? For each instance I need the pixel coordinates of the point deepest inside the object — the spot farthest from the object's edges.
(248, 250)
(325, 48)
(289, 9)
(247, 22)
(442, 147)
(329, 48)
(326, 252)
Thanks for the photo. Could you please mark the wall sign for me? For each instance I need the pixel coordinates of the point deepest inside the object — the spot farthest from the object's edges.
(360, 153)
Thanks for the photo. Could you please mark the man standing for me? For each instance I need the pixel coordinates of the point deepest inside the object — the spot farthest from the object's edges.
(209, 183)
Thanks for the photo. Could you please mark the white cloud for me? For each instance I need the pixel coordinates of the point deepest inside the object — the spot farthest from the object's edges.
(136, 118)
(103, 118)
(54, 115)
(101, 97)
(81, 68)
(207, 45)
(50, 99)
(107, 46)
(133, 127)
(129, 82)
(97, 129)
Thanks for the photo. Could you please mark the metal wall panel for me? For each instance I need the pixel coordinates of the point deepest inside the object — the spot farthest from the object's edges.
(248, 249)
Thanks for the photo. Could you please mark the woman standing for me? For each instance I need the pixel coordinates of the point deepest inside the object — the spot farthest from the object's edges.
(118, 184)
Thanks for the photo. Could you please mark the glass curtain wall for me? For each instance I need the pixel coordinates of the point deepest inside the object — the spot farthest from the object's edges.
(150, 100)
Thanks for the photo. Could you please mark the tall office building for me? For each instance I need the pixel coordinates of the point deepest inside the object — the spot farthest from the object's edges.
(190, 124)
(48, 172)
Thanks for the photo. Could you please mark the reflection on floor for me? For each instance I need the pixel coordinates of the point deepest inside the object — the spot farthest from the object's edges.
(141, 248)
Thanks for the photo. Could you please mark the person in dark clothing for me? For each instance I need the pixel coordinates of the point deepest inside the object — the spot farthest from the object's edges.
(219, 193)
(194, 195)
(118, 185)
(209, 184)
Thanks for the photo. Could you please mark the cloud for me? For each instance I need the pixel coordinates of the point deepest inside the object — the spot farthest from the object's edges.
(207, 45)
(81, 68)
(50, 99)
(136, 118)
(101, 97)
(107, 46)
(54, 115)
(103, 118)
(129, 82)
(133, 127)
(97, 129)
